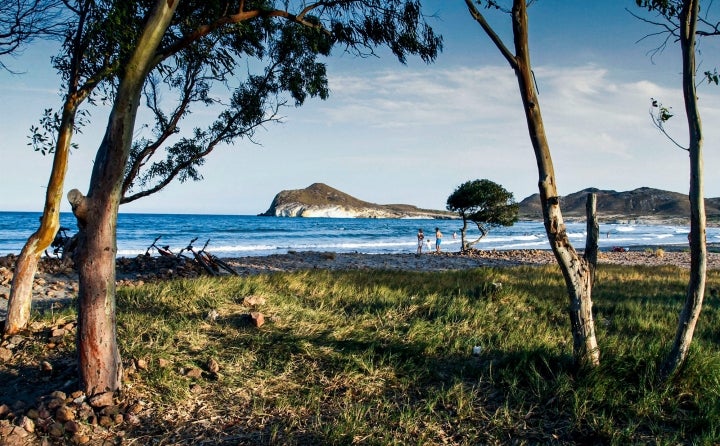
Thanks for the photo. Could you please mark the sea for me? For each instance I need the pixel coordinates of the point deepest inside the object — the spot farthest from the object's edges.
(245, 235)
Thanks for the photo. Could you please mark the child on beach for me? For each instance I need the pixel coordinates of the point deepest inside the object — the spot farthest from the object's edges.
(420, 237)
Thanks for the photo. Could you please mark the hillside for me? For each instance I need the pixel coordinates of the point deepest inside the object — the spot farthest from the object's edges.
(321, 200)
(643, 204)
(640, 205)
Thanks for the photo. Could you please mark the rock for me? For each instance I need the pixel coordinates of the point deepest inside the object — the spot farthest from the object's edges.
(27, 423)
(321, 200)
(60, 395)
(141, 364)
(46, 367)
(135, 409)
(64, 413)
(16, 436)
(101, 399)
(4, 410)
(79, 438)
(86, 414)
(163, 363)
(5, 354)
(212, 316)
(72, 426)
(54, 403)
(213, 366)
(257, 318)
(58, 332)
(131, 419)
(56, 430)
(193, 372)
(253, 301)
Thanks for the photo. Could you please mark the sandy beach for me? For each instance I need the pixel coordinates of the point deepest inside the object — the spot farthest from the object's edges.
(56, 283)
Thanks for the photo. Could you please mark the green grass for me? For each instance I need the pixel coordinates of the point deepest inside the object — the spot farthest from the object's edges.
(384, 358)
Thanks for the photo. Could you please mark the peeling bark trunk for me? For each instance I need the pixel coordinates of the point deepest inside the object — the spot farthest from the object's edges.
(698, 247)
(575, 269)
(20, 300)
(98, 353)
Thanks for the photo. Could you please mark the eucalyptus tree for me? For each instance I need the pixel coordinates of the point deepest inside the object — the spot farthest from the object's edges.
(22, 21)
(577, 270)
(485, 203)
(680, 20)
(87, 60)
(190, 46)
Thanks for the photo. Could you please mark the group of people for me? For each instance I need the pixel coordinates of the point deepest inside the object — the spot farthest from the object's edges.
(421, 240)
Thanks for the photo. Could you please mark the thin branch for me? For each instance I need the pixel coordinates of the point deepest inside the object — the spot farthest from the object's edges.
(477, 15)
(657, 122)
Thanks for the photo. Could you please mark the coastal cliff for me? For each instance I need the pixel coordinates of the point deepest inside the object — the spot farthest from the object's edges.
(321, 200)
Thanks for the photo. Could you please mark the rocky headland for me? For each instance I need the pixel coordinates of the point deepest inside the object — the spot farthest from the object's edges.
(321, 200)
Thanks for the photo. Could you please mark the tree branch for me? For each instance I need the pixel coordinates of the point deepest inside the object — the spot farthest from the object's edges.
(477, 15)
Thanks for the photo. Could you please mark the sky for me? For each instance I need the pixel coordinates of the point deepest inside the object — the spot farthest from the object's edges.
(410, 134)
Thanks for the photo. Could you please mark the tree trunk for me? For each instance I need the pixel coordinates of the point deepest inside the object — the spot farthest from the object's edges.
(98, 353)
(20, 300)
(463, 234)
(593, 233)
(698, 248)
(576, 270)
(483, 233)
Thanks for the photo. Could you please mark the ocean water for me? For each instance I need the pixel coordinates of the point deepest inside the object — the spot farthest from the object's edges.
(240, 235)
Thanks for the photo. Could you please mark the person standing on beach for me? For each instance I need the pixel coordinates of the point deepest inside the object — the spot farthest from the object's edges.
(438, 239)
(420, 237)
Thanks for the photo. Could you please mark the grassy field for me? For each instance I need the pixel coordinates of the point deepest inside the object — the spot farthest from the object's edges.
(367, 357)
(386, 358)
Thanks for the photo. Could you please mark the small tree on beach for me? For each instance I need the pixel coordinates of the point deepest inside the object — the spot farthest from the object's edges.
(189, 46)
(485, 203)
(578, 271)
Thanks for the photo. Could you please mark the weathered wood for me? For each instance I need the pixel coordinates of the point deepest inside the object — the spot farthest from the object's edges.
(593, 234)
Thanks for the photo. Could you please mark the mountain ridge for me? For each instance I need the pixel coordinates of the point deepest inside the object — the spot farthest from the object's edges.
(643, 204)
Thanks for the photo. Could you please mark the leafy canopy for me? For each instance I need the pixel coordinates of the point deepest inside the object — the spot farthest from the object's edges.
(484, 202)
(240, 61)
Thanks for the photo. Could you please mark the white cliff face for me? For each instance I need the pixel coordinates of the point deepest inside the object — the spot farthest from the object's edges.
(301, 210)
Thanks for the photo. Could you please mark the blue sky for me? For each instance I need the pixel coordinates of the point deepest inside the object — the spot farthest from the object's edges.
(410, 134)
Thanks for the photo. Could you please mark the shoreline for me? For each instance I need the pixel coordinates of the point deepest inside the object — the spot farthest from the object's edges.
(56, 284)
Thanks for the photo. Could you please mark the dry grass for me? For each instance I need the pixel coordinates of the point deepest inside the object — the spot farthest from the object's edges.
(368, 357)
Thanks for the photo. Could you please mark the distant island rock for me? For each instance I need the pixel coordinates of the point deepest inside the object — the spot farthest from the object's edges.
(321, 200)
(642, 205)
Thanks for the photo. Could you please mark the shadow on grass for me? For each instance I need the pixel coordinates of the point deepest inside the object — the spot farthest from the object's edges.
(23, 384)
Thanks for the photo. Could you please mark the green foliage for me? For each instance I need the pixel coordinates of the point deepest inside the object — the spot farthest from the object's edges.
(668, 8)
(712, 77)
(271, 55)
(485, 202)
(264, 55)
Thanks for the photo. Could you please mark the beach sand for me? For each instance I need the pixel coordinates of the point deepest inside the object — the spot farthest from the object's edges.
(56, 284)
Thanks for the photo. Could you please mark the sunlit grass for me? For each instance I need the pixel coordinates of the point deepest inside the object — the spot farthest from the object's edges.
(374, 357)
